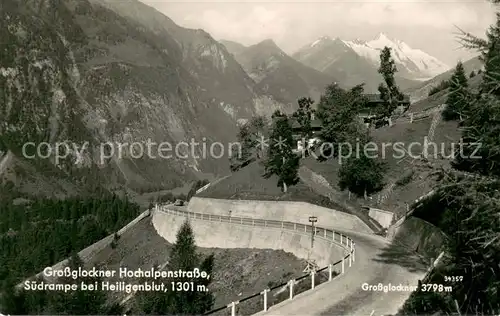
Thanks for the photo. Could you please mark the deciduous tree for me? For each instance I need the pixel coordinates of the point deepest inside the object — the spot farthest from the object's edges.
(249, 137)
(338, 110)
(281, 160)
(304, 116)
(362, 175)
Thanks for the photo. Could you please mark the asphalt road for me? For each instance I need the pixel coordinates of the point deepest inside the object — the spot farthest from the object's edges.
(377, 262)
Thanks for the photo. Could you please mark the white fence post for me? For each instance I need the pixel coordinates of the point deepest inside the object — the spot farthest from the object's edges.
(350, 260)
(354, 254)
(324, 231)
(232, 306)
(343, 268)
(253, 222)
(330, 272)
(341, 239)
(291, 288)
(312, 279)
(305, 229)
(265, 299)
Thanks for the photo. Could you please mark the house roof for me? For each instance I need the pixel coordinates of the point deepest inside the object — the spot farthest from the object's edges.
(372, 97)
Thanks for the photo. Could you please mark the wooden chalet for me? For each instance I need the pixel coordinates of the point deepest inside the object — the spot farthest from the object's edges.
(375, 101)
(315, 127)
(366, 114)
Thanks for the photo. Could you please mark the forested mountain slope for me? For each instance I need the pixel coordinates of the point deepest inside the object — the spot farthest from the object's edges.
(90, 71)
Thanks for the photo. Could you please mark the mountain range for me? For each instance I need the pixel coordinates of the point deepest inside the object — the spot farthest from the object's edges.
(352, 62)
(277, 74)
(421, 91)
(103, 71)
(119, 72)
(414, 63)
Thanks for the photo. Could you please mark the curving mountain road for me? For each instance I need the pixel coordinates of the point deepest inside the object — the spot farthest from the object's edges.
(377, 262)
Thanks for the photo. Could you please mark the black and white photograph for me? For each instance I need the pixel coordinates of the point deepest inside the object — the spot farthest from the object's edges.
(237, 158)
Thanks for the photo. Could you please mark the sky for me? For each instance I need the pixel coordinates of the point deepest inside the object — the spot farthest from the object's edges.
(425, 24)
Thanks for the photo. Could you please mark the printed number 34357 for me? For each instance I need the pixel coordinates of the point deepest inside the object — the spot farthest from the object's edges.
(453, 278)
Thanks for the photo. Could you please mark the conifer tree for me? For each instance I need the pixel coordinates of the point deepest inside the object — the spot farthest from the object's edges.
(490, 56)
(458, 96)
(182, 257)
(281, 160)
(389, 91)
(480, 151)
(246, 142)
(468, 207)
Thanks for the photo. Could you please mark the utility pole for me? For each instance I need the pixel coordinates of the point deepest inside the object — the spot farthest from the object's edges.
(312, 220)
(311, 265)
(285, 188)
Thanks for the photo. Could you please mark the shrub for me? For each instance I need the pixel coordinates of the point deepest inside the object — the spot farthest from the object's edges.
(406, 178)
(440, 87)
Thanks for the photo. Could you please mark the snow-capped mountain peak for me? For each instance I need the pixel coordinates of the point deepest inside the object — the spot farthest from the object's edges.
(320, 40)
(359, 41)
(414, 62)
(381, 41)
